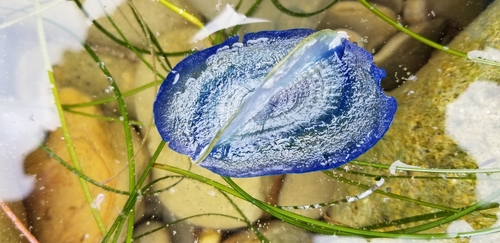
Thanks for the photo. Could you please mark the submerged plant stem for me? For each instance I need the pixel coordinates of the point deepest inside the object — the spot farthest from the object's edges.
(107, 118)
(319, 226)
(454, 216)
(392, 195)
(126, 125)
(409, 32)
(110, 99)
(189, 17)
(132, 199)
(257, 233)
(150, 37)
(422, 217)
(422, 39)
(427, 170)
(285, 10)
(78, 173)
(64, 126)
(18, 223)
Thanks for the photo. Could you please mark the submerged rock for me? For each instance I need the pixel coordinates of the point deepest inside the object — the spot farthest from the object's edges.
(8, 231)
(355, 17)
(158, 18)
(458, 12)
(306, 189)
(78, 70)
(57, 209)
(402, 55)
(275, 231)
(161, 235)
(278, 20)
(421, 135)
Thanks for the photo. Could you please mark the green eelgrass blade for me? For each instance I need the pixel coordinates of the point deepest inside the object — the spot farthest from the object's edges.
(257, 233)
(106, 118)
(468, 176)
(79, 173)
(426, 170)
(129, 205)
(62, 119)
(285, 10)
(184, 219)
(421, 38)
(423, 217)
(149, 185)
(123, 43)
(123, 117)
(188, 16)
(150, 36)
(392, 195)
(452, 217)
(110, 99)
(324, 228)
(123, 111)
(315, 225)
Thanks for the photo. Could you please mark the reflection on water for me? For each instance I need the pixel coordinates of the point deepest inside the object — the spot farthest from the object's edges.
(473, 121)
(26, 101)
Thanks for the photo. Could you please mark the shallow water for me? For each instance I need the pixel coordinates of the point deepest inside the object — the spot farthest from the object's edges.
(446, 119)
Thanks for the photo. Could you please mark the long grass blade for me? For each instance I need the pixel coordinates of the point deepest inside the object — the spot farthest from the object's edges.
(64, 126)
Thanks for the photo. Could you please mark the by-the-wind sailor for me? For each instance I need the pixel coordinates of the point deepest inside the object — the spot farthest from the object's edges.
(288, 101)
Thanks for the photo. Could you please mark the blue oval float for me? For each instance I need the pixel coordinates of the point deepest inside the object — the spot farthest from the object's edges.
(290, 101)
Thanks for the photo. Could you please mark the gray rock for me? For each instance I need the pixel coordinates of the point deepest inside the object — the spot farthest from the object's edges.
(354, 16)
(416, 11)
(459, 12)
(402, 56)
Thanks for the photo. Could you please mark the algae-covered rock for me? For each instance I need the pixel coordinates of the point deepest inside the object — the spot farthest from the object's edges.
(421, 134)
